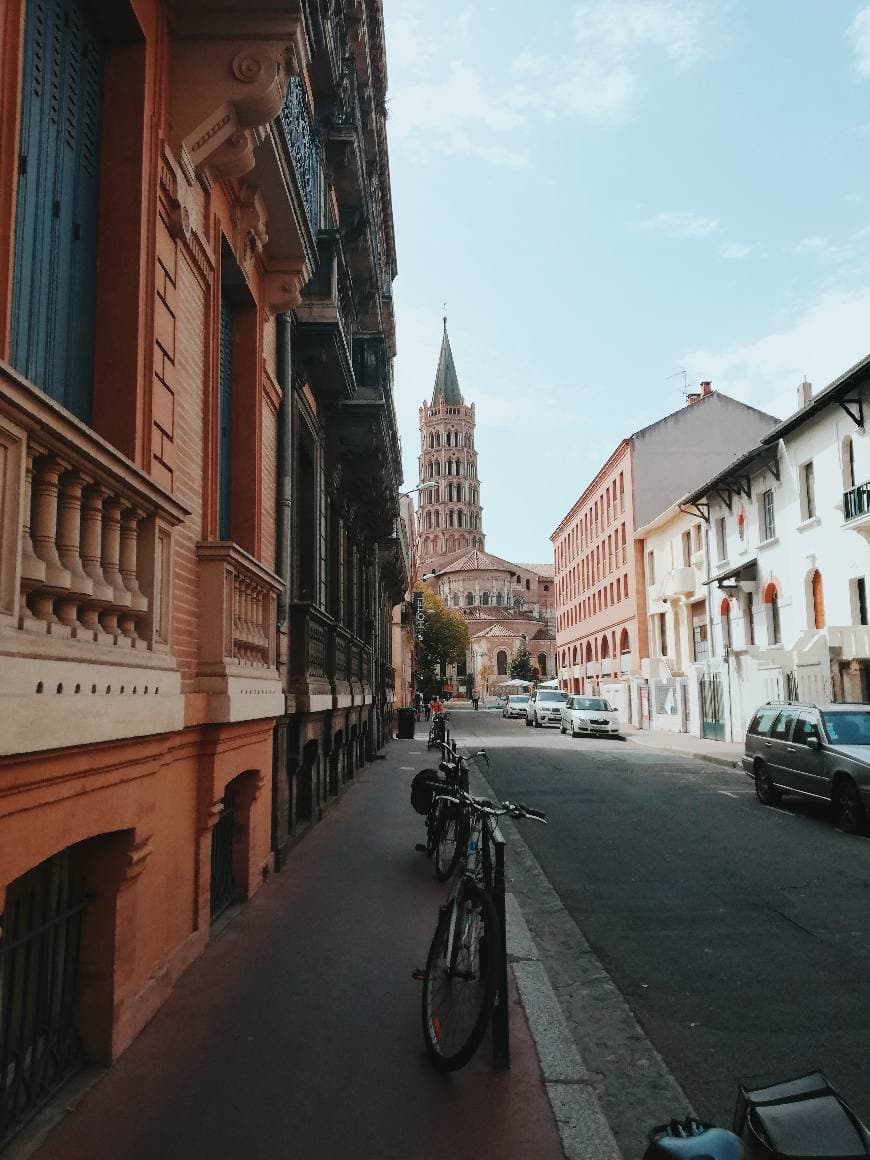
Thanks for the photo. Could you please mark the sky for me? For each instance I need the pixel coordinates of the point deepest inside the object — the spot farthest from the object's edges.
(612, 196)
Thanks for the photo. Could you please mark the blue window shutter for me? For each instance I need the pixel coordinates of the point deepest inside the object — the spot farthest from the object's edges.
(225, 418)
(56, 218)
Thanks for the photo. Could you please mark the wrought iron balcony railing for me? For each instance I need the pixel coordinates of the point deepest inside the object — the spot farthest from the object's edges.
(305, 152)
(856, 501)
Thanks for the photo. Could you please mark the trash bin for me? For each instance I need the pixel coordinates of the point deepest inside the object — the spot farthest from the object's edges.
(407, 719)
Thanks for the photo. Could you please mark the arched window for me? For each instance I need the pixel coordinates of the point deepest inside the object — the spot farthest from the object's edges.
(437, 466)
(428, 521)
(501, 663)
(574, 655)
(437, 519)
(459, 519)
(430, 469)
(448, 438)
(848, 460)
(499, 598)
(517, 602)
(725, 619)
(624, 651)
(469, 598)
(605, 647)
(771, 601)
(455, 600)
(588, 651)
(818, 600)
(542, 664)
(484, 598)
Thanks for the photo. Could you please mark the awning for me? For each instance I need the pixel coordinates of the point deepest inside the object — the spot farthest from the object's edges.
(748, 570)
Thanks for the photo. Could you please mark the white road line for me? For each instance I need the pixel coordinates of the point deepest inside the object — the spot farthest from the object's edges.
(406, 769)
(728, 793)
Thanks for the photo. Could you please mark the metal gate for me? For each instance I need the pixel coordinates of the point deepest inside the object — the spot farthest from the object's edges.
(222, 884)
(39, 964)
(712, 708)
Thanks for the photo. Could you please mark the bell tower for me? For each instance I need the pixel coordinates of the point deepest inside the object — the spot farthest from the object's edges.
(449, 515)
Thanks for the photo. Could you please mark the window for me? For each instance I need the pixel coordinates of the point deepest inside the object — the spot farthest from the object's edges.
(469, 598)
(700, 641)
(501, 663)
(663, 633)
(650, 568)
(782, 724)
(696, 536)
(762, 721)
(805, 727)
(768, 523)
(818, 597)
(808, 491)
(741, 526)
(687, 549)
(858, 600)
(725, 616)
(750, 619)
(55, 262)
(774, 630)
(721, 541)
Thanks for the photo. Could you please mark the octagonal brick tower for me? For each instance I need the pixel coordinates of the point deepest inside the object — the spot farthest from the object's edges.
(449, 515)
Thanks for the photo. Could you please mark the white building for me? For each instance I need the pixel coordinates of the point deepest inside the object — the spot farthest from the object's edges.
(787, 527)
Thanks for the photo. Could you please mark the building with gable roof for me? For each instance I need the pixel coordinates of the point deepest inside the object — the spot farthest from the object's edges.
(506, 604)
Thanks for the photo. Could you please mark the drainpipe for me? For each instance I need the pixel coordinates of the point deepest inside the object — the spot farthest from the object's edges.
(285, 465)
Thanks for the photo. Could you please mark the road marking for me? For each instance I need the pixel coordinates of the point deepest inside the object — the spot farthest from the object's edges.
(406, 769)
(728, 793)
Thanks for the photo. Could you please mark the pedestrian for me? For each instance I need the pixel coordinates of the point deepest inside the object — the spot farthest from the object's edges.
(418, 703)
(427, 706)
(437, 705)
(475, 698)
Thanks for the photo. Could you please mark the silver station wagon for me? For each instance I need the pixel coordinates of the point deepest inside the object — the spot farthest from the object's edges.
(819, 751)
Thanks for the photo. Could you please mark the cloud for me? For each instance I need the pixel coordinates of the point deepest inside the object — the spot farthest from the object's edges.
(735, 251)
(679, 225)
(859, 34)
(822, 341)
(593, 73)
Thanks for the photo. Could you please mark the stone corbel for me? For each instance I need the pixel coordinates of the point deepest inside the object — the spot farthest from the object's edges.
(282, 288)
(224, 94)
(251, 224)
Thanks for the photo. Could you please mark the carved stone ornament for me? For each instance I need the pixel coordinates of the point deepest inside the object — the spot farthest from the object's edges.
(251, 222)
(281, 290)
(225, 94)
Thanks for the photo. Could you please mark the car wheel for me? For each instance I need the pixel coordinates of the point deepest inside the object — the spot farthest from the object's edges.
(765, 790)
(536, 723)
(573, 730)
(849, 814)
(528, 723)
(562, 730)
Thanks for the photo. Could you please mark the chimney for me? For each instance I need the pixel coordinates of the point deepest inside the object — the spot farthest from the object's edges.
(804, 393)
(693, 398)
(706, 387)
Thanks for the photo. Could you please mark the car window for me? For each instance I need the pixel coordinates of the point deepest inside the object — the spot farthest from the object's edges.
(552, 695)
(849, 728)
(806, 726)
(596, 704)
(763, 720)
(782, 724)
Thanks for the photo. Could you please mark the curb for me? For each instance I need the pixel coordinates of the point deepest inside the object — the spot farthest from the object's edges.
(580, 1121)
(728, 762)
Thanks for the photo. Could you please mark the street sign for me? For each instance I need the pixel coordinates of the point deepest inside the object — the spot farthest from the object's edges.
(419, 615)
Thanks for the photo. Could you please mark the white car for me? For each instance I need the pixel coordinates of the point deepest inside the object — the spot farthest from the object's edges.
(545, 707)
(594, 716)
(515, 706)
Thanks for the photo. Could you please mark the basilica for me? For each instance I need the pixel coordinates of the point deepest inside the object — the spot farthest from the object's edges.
(506, 605)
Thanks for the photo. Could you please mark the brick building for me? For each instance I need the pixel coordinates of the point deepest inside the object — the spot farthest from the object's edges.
(601, 598)
(198, 484)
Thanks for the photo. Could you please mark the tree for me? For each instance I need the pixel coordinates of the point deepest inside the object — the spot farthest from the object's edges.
(443, 641)
(485, 672)
(521, 663)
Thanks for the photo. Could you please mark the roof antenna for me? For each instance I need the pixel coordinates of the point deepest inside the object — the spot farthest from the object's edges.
(681, 373)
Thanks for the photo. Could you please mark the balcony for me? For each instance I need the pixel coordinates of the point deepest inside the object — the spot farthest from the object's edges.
(237, 635)
(679, 582)
(856, 508)
(326, 322)
(302, 149)
(85, 559)
(311, 661)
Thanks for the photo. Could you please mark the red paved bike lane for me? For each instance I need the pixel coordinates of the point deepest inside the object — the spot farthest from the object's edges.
(298, 1033)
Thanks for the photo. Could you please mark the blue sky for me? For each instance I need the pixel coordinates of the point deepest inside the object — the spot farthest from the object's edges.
(607, 193)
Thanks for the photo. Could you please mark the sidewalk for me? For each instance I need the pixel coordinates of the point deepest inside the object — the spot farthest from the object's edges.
(720, 752)
(298, 1033)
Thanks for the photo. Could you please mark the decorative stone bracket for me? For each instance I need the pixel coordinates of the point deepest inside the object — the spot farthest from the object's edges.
(226, 91)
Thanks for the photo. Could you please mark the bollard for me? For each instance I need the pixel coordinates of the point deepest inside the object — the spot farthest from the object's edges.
(501, 1031)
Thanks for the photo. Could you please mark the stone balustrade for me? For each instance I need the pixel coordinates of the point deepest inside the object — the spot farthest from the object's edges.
(85, 536)
(238, 595)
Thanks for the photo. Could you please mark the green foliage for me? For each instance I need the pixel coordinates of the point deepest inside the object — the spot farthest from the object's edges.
(444, 639)
(521, 666)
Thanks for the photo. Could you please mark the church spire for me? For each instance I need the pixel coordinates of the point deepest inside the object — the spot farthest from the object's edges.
(446, 381)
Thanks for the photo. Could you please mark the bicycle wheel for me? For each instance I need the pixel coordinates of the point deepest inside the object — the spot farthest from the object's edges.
(433, 825)
(450, 840)
(460, 983)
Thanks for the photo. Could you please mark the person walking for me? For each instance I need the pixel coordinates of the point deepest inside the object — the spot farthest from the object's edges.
(427, 706)
(475, 698)
(418, 703)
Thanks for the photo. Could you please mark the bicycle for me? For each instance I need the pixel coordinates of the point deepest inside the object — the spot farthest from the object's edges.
(437, 731)
(464, 963)
(443, 820)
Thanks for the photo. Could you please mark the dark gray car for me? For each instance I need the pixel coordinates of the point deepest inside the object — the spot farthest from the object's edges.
(820, 751)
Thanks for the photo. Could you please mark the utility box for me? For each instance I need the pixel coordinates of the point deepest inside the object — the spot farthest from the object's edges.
(407, 720)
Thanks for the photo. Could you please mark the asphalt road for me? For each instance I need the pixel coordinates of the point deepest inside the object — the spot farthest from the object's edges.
(739, 935)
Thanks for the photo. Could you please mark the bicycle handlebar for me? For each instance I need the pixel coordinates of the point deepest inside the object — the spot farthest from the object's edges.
(484, 806)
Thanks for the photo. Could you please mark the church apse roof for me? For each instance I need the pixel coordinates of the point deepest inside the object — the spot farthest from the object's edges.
(446, 379)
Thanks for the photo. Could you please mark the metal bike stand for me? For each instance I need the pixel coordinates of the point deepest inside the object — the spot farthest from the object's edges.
(501, 1031)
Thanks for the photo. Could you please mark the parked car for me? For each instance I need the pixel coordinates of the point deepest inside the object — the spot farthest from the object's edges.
(594, 716)
(515, 706)
(817, 750)
(545, 707)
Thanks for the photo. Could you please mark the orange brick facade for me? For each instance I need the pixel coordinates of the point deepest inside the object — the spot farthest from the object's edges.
(147, 660)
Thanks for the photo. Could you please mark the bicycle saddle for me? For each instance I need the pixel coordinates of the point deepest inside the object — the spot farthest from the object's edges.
(689, 1139)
